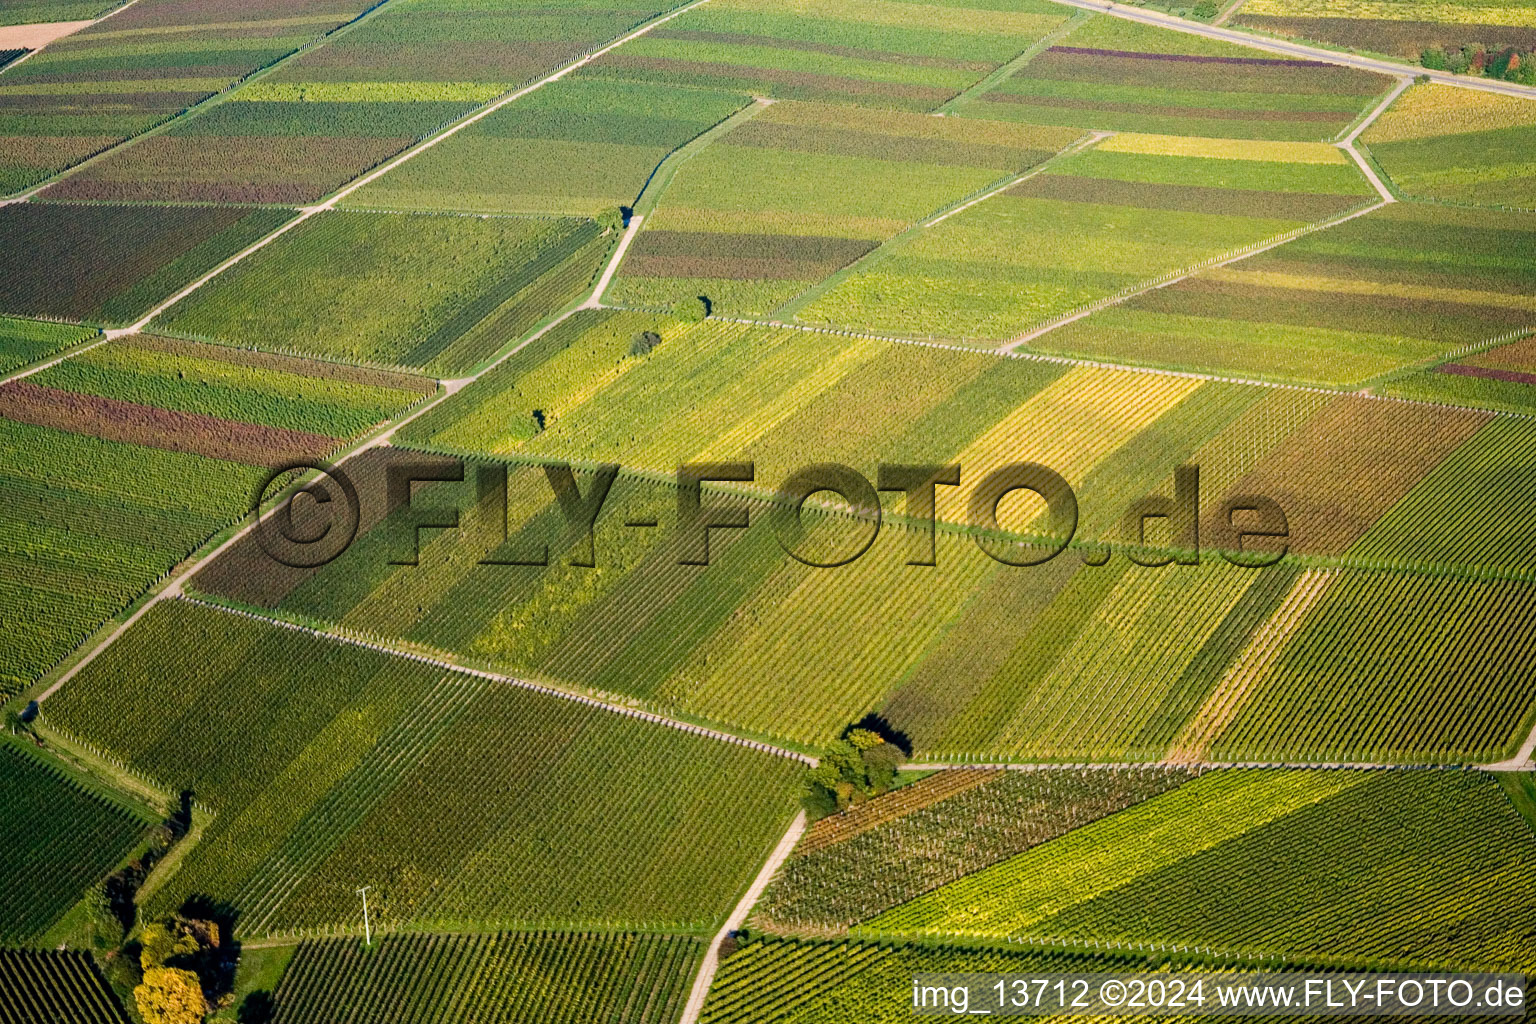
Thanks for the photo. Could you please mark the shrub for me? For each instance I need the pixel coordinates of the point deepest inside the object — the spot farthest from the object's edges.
(691, 311)
(643, 342)
(611, 219)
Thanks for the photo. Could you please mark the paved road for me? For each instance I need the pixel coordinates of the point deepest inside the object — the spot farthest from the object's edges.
(1290, 49)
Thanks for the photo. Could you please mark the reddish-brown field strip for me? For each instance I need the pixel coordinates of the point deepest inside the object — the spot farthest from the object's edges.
(856, 52)
(1215, 113)
(1488, 373)
(1400, 38)
(740, 257)
(115, 420)
(855, 821)
(360, 375)
(1189, 58)
(1519, 354)
(1351, 463)
(1296, 206)
(246, 573)
(235, 169)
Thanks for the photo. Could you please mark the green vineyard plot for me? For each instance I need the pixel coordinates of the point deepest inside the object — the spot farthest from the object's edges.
(27, 341)
(881, 53)
(844, 872)
(118, 463)
(32, 12)
(513, 977)
(120, 77)
(460, 800)
(112, 264)
(60, 839)
(57, 987)
(1425, 869)
(607, 138)
(785, 980)
(414, 291)
(1404, 285)
(1133, 208)
(1439, 142)
(1116, 75)
(339, 109)
(801, 190)
(91, 523)
(970, 658)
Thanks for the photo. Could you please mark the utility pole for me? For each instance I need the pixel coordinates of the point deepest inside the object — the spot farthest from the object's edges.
(367, 930)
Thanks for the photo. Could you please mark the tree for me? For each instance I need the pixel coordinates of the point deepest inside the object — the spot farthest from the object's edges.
(853, 769)
(1434, 59)
(170, 995)
(643, 342)
(691, 310)
(161, 941)
(106, 927)
(611, 219)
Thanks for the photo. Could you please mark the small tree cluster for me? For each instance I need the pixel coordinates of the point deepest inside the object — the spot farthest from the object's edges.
(691, 310)
(611, 219)
(185, 969)
(858, 766)
(643, 342)
(1509, 64)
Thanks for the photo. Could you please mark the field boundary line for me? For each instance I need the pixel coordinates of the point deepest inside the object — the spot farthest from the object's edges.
(711, 962)
(1001, 74)
(1226, 13)
(1347, 144)
(906, 235)
(1097, 364)
(1176, 276)
(499, 677)
(1287, 48)
(487, 111)
(187, 113)
(1087, 142)
(595, 300)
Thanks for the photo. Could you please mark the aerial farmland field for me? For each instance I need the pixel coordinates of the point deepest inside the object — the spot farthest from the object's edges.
(765, 512)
